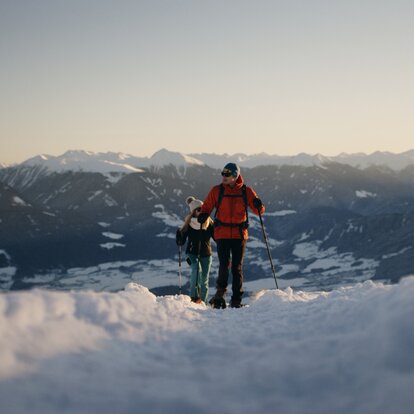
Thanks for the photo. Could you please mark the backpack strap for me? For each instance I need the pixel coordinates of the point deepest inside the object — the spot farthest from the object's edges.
(220, 198)
(244, 194)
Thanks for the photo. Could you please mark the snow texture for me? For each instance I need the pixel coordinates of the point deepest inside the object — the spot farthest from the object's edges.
(280, 213)
(364, 194)
(113, 236)
(347, 351)
(113, 276)
(110, 246)
(171, 220)
(17, 201)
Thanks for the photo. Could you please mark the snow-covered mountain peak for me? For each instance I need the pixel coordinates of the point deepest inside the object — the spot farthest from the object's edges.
(38, 159)
(121, 155)
(78, 154)
(166, 157)
(321, 158)
(79, 160)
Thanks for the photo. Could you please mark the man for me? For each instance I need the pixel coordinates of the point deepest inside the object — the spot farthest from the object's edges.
(231, 199)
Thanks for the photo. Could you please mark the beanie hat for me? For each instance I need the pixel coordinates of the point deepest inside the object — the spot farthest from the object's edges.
(193, 203)
(232, 168)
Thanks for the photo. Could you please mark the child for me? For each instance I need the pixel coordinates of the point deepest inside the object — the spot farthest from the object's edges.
(198, 249)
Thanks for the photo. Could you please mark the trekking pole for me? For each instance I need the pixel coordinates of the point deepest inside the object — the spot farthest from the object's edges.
(179, 268)
(198, 289)
(268, 250)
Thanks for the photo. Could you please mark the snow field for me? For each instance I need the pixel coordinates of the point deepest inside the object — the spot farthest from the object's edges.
(347, 351)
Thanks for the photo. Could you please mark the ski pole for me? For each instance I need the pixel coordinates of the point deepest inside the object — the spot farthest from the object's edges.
(179, 268)
(268, 250)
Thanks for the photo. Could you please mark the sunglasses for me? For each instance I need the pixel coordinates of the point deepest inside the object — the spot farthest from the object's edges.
(226, 174)
(198, 209)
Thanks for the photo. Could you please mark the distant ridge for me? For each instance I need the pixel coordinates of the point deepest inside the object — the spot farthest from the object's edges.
(78, 160)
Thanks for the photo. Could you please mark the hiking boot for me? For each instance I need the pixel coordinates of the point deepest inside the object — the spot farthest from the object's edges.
(218, 302)
(196, 300)
(235, 303)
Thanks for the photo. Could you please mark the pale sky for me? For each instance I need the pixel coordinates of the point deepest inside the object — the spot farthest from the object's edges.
(280, 77)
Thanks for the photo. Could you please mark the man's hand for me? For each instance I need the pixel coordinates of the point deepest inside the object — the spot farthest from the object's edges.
(202, 217)
(257, 203)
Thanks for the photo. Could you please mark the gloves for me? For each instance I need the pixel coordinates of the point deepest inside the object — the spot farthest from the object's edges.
(179, 238)
(202, 217)
(257, 203)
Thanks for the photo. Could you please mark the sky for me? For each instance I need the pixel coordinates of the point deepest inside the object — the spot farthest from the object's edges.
(226, 76)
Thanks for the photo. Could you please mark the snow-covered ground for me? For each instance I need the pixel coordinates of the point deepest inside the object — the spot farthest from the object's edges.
(114, 276)
(347, 351)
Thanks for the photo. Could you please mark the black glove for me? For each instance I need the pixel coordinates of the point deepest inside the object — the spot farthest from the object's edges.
(257, 203)
(179, 238)
(202, 217)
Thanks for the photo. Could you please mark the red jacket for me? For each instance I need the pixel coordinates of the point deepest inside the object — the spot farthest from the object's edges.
(232, 210)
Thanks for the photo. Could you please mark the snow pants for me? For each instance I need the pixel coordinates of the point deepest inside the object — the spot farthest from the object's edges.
(235, 247)
(200, 288)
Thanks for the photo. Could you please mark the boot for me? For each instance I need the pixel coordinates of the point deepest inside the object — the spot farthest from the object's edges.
(235, 303)
(196, 300)
(218, 301)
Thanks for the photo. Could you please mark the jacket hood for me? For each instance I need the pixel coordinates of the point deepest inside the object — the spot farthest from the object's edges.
(239, 182)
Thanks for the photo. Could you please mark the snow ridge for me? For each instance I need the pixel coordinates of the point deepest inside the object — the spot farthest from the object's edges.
(346, 351)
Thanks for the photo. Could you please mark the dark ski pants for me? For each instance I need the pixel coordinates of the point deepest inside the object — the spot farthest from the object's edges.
(235, 248)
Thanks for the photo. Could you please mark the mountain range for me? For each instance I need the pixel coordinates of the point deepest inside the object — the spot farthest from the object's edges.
(119, 162)
(87, 220)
